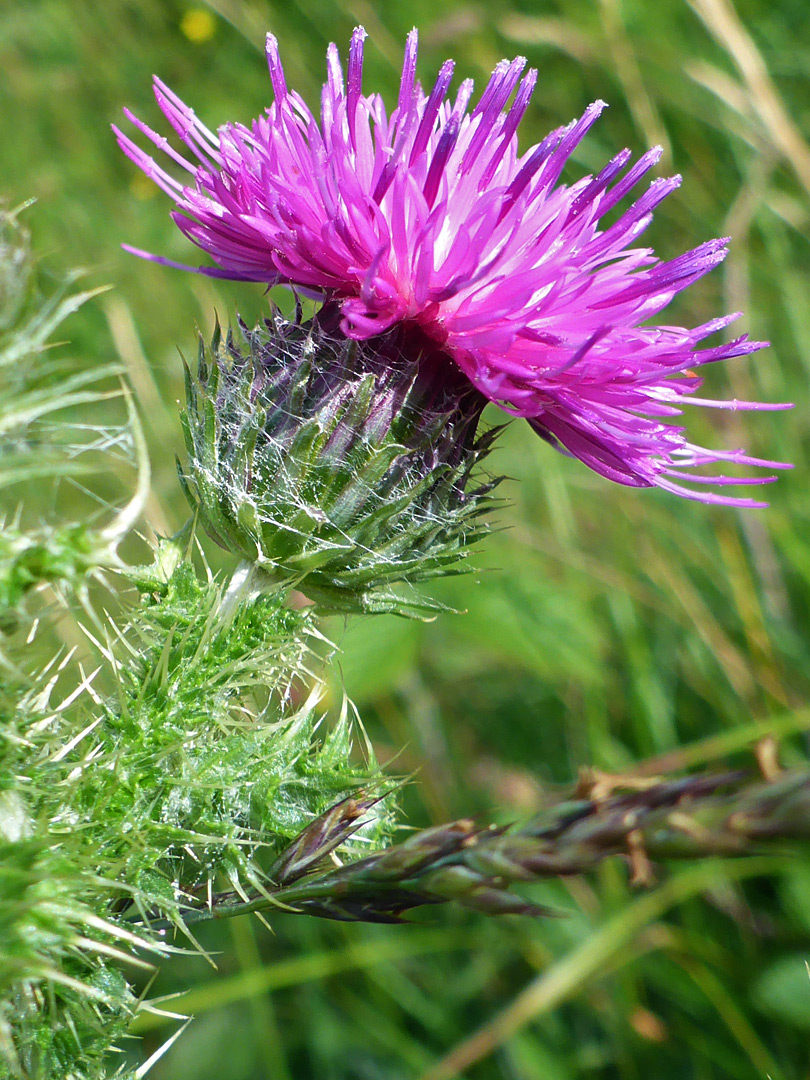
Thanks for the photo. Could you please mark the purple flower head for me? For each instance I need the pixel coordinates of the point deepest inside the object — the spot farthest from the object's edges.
(431, 216)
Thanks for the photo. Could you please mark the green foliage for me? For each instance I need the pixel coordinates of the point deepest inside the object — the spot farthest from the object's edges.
(40, 437)
(63, 554)
(204, 766)
(340, 467)
(65, 1001)
(190, 774)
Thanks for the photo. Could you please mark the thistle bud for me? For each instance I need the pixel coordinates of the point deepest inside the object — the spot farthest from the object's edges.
(342, 468)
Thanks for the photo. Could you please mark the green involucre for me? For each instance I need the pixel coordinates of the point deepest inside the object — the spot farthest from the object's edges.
(343, 467)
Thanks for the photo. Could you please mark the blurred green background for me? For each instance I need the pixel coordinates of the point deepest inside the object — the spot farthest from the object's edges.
(605, 626)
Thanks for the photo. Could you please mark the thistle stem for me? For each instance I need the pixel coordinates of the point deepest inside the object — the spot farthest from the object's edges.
(247, 582)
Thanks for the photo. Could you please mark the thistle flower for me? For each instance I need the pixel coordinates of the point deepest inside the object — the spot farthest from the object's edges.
(431, 216)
